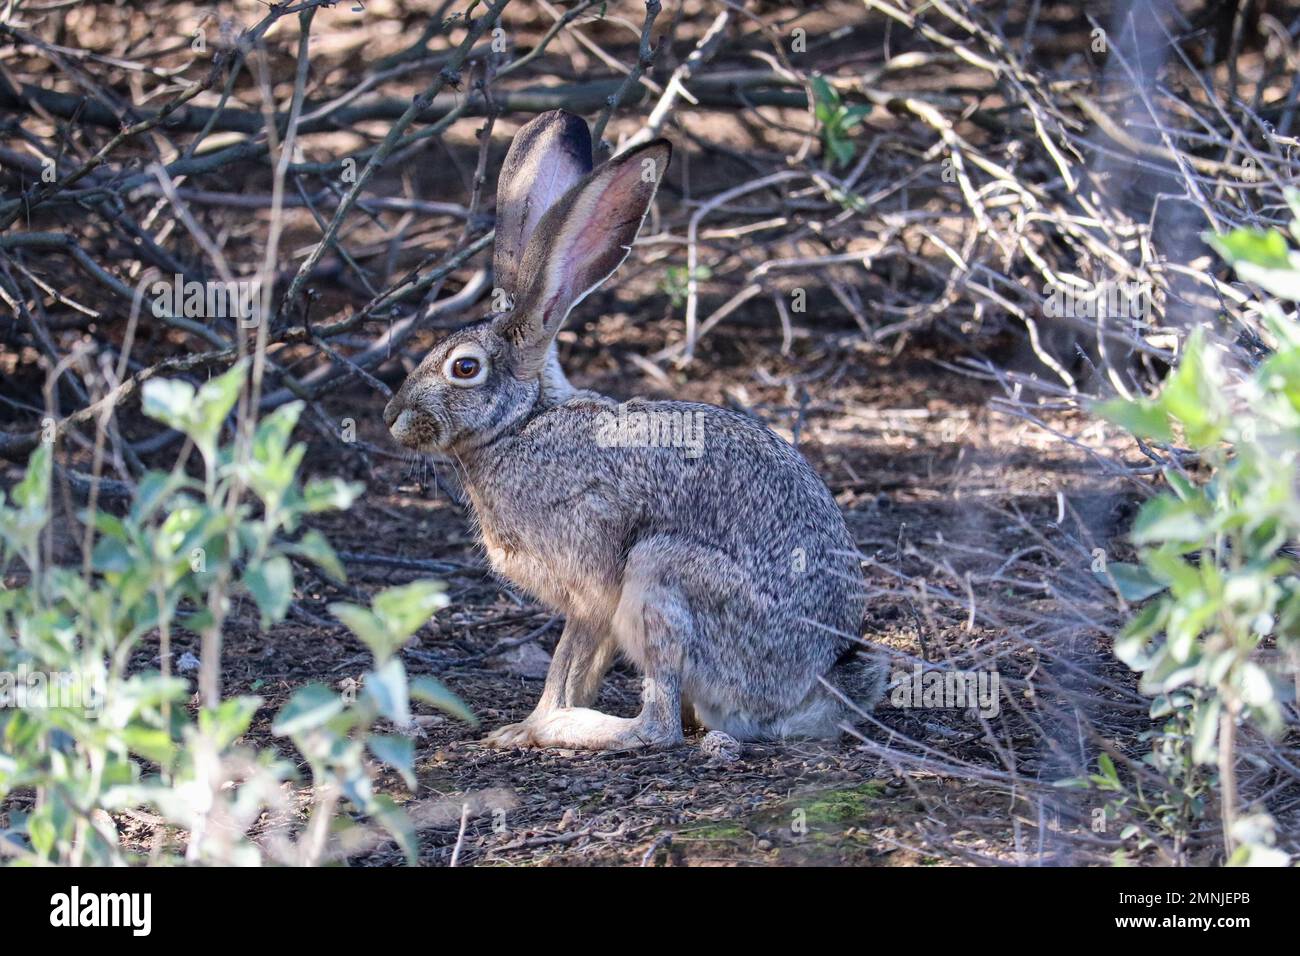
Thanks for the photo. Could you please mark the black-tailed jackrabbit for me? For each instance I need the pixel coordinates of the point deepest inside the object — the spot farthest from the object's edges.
(689, 538)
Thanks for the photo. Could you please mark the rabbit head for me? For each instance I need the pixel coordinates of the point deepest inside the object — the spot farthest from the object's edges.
(562, 230)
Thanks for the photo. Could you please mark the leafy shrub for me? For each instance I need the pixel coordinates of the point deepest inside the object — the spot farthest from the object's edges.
(1217, 556)
(127, 740)
(836, 120)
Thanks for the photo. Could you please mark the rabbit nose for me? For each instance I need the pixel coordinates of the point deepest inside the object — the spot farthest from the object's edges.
(391, 411)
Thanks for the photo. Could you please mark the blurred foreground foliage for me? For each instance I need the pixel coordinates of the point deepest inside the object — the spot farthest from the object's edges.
(89, 735)
(1218, 568)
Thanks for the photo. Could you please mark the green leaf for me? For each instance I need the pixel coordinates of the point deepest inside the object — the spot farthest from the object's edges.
(1167, 519)
(33, 490)
(1283, 283)
(1073, 783)
(393, 819)
(1254, 855)
(330, 494)
(271, 584)
(274, 465)
(1131, 646)
(110, 525)
(198, 414)
(369, 628)
(855, 115)
(825, 96)
(271, 439)
(386, 686)
(229, 720)
(1108, 768)
(1262, 257)
(1281, 373)
(1169, 566)
(1183, 488)
(40, 829)
(111, 556)
(398, 613)
(149, 742)
(1143, 417)
(153, 490)
(1256, 687)
(1261, 247)
(1205, 730)
(433, 692)
(841, 150)
(309, 707)
(314, 547)
(406, 608)
(215, 398)
(170, 401)
(1192, 395)
(396, 751)
(1134, 583)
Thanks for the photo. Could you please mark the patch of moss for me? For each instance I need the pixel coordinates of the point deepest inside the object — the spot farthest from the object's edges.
(838, 807)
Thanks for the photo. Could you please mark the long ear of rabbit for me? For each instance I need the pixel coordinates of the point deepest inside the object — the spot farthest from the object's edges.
(547, 156)
(578, 244)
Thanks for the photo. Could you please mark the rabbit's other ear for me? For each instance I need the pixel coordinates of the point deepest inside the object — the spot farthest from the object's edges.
(578, 244)
(547, 156)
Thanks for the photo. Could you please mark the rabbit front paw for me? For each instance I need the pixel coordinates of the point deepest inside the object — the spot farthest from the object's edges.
(513, 736)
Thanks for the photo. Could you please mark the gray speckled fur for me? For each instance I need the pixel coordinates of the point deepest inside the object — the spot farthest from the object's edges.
(728, 578)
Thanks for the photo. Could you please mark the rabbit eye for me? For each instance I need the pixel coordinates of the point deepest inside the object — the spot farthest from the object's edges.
(465, 367)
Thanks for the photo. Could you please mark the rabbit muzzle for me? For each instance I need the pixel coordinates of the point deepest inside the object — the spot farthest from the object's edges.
(411, 427)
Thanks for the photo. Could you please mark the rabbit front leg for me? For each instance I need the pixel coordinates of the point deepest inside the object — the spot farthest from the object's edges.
(579, 728)
(659, 724)
(582, 657)
(652, 625)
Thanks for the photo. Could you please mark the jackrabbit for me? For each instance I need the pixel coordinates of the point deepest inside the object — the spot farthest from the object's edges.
(689, 538)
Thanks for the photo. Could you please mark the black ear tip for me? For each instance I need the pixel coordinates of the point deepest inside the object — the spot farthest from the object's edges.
(565, 123)
(553, 116)
(562, 130)
(557, 126)
(568, 118)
